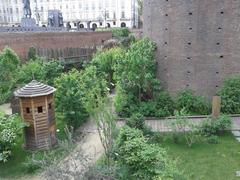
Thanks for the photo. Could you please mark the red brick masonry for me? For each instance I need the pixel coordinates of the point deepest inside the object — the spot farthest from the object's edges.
(21, 42)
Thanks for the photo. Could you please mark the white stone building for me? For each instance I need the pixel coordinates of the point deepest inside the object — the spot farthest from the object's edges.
(101, 13)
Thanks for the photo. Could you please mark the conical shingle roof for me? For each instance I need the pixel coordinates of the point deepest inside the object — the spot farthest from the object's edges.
(34, 89)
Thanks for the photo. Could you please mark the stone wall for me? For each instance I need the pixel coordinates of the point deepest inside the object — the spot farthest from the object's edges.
(54, 44)
(198, 42)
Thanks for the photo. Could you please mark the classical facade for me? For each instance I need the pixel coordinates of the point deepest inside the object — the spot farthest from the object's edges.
(101, 13)
(198, 42)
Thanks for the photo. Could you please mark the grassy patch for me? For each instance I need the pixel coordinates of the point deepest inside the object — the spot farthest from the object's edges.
(14, 167)
(17, 167)
(206, 161)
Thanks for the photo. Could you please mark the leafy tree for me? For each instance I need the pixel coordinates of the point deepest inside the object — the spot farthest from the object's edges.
(77, 94)
(69, 99)
(10, 131)
(136, 72)
(33, 69)
(32, 53)
(230, 96)
(105, 62)
(143, 160)
(9, 65)
(38, 69)
(135, 75)
(52, 70)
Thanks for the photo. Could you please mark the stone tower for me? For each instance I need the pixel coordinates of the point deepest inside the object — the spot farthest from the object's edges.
(198, 42)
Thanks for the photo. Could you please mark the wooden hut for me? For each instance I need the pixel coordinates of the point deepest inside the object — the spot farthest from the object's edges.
(37, 109)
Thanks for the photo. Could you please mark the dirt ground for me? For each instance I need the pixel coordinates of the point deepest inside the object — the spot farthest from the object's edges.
(90, 146)
(6, 108)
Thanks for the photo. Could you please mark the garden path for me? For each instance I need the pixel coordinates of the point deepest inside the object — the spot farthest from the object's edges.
(89, 146)
(163, 125)
(6, 108)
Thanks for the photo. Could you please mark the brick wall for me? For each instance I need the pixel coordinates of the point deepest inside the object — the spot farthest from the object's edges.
(21, 42)
(198, 42)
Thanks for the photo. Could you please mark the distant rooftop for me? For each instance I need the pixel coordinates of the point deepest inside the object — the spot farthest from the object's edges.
(34, 89)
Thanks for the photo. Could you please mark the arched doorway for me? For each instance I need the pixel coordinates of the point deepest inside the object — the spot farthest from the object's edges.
(81, 26)
(123, 24)
(94, 26)
(108, 25)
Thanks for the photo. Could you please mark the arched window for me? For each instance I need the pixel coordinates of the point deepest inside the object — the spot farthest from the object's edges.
(123, 24)
(94, 26)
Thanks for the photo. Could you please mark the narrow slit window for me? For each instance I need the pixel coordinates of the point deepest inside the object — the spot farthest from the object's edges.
(50, 106)
(28, 110)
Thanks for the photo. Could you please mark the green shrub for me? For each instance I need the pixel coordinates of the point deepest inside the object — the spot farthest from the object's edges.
(148, 108)
(164, 105)
(120, 32)
(143, 160)
(9, 65)
(116, 32)
(194, 105)
(136, 121)
(126, 42)
(222, 123)
(215, 126)
(125, 103)
(207, 128)
(213, 139)
(10, 132)
(182, 125)
(230, 96)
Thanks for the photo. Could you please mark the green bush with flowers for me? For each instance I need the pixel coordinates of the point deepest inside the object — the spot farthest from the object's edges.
(10, 132)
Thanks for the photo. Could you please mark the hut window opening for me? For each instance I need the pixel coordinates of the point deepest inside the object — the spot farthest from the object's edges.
(50, 106)
(40, 109)
(28, 110)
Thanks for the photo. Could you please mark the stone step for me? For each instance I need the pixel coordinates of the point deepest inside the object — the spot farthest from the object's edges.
(238, 139)
(236, 133)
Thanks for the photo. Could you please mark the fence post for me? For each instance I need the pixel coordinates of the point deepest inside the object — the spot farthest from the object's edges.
(216, 106)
